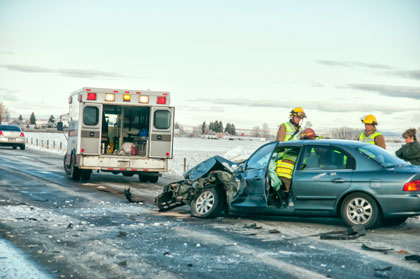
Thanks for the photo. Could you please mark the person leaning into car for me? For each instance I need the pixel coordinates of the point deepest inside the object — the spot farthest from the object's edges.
(370, 135)
(290, 130)
(410, 151)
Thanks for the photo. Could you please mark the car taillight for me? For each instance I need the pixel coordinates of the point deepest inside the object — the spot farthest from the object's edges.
(1, 133)
(412, 186)
(22, 134)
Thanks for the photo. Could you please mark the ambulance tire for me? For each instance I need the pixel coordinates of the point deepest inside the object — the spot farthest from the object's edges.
(22, 147)
(75, 171)
(149, 178)
(85, 175)
(67, 169)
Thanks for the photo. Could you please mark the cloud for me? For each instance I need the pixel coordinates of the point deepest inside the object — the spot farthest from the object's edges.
(390, 90)
(415, 74)
(77, 73)
(6, 53)
(307, 105)
(354, 64)
(7, 94)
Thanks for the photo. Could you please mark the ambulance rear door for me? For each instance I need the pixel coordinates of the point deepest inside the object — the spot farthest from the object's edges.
(90, 130)
(161, 132)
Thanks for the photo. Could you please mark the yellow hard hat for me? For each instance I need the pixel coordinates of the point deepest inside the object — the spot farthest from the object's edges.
(298, 111)
(369, 119)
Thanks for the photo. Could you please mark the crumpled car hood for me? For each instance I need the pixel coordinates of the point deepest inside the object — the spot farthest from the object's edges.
(211, 164)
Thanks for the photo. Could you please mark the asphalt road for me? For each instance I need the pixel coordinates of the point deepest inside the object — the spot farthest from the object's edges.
(89, 230)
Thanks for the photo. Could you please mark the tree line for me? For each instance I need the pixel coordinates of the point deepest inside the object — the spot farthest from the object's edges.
(217, 127)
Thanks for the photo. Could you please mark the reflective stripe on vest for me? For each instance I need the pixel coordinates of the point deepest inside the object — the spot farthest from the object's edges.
(369, 139)
(285, 166)
(290, 130)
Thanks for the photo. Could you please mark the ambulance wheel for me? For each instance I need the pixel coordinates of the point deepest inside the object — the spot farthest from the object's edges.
(149, 178)
(67, 169)
(74, 171)
(208, 203)
(22, 147)
(85, 175)
(14, 147)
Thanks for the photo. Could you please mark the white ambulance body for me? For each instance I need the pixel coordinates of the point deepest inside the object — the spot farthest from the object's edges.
(119, 131)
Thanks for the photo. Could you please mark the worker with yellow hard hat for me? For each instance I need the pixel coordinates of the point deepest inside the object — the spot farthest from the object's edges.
(291, 130)
(370, 135)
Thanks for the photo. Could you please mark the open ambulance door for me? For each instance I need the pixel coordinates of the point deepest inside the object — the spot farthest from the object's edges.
(161, 132)
(91, 121)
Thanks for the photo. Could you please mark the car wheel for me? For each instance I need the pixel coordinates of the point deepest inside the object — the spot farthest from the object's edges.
(22, 147)
(394, 221)
(74, 171)
(67, 169)
(360, 209)
(208, 203)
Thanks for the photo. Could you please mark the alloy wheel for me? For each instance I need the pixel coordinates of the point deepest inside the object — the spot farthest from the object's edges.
(359, 210)
(205, 202)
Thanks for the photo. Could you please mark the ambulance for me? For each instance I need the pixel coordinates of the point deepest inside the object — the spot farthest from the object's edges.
(119, 131)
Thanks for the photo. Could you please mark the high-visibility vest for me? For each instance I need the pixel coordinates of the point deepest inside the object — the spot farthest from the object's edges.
(369, 139)
(285, 166)
(290, 130)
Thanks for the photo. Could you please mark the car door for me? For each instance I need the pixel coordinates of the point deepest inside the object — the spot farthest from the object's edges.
(255, 174)
(322, 174)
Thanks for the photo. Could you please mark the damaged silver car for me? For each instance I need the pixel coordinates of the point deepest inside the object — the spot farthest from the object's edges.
(358, 182)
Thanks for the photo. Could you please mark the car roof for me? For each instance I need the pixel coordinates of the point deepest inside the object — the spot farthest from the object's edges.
(337, 142)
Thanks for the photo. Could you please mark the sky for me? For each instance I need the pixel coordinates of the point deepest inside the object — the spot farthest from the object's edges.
(241, 62)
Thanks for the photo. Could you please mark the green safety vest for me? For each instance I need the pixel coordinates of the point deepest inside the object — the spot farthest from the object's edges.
(290, 130)
(369, 139)
(284, 167)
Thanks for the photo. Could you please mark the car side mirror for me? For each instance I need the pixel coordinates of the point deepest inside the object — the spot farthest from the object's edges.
(241, 167)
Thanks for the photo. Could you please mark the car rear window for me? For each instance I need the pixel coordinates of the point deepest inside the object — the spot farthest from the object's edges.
(9, 128)
(381, 156)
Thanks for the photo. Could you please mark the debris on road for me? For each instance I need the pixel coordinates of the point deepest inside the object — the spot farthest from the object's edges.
(128, 195)
(353, 232)
(370, 247)
(382, 272)
(413, 258)
(252, 226)
(274, 231)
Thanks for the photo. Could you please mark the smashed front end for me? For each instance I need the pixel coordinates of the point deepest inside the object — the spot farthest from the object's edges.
(215, 171)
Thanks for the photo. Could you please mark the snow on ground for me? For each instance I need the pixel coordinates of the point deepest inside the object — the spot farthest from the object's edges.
(14, 264)
(194, 150)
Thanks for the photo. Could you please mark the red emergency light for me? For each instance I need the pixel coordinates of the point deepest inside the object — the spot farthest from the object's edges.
(1, 133)
(91, 96)
(161, 100)
(21, 134)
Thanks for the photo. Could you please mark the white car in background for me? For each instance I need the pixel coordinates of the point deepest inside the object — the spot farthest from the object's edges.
(13, 136)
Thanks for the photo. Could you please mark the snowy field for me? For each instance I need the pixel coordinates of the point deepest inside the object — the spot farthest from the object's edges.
(194, 150)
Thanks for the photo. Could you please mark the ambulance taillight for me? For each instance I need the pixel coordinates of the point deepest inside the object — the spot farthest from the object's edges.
(161, 100)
